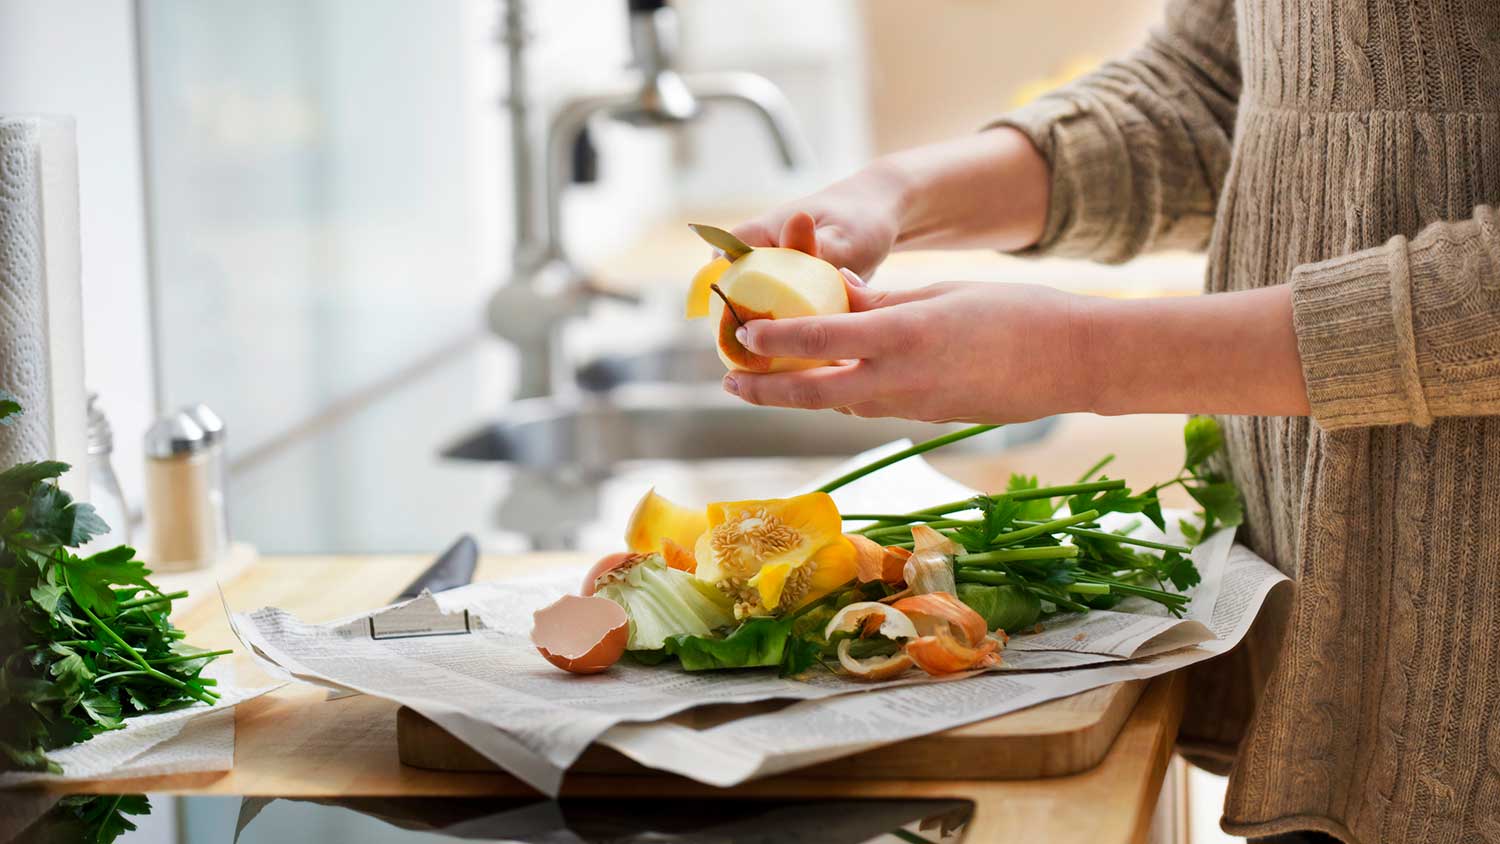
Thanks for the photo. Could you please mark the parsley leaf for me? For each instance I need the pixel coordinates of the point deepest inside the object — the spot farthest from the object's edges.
(88, 640)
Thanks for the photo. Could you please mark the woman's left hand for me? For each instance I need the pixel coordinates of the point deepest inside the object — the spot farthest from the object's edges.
(956, 351)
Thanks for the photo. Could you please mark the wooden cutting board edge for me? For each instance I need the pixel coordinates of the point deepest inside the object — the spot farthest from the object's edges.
(1064, 736)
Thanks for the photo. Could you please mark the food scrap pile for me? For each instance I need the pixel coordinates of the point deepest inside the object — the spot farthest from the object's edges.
(779, 583)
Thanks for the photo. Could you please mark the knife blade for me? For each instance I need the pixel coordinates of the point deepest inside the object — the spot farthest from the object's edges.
(452, 568)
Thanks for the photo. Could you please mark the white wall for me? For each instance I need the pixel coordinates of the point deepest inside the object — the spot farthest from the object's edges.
(77, 57)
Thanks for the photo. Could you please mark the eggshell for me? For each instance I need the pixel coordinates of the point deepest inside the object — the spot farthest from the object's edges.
(606, 564)
(581, 635)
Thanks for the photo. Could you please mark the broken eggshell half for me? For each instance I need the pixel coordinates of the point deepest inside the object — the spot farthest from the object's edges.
(584, 635)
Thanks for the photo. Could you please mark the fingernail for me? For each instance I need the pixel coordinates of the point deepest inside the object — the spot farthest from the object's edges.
(730, 386)
(742, 334)
(853, 277)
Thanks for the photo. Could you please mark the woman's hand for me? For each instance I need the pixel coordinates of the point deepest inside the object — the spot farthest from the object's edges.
(853, 223)
(950, 352)
(977, 352)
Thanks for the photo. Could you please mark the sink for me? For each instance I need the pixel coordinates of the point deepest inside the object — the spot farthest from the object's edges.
(683, 360)
(563, 453)
(691, 422)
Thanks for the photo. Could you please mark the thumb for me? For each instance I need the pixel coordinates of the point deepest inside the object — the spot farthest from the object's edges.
(800, 232)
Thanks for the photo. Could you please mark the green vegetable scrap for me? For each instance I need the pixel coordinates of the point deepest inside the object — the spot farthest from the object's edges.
(1026, 558)
(85, 642)
(1032, 550)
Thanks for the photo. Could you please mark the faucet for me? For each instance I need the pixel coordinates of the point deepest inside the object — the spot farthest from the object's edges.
(546, 289)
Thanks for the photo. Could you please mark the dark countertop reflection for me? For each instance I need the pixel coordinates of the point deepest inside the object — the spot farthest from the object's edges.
(256, 820)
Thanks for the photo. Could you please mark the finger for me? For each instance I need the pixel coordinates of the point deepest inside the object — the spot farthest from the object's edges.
(832, 337)
(862, 298)
(799, 232)
(755, 233)
(812, 389)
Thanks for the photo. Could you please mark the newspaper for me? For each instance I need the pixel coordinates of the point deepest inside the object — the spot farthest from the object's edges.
(463, 658)
(816, 731)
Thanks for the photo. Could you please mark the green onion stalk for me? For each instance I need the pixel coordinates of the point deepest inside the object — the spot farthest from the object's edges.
(1047, 541)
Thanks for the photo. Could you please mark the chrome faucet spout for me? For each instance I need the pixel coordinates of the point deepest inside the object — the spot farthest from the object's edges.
(545, 289)
(766, 100)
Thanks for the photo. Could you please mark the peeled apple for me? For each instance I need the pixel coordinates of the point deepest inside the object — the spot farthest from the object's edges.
(764, 283)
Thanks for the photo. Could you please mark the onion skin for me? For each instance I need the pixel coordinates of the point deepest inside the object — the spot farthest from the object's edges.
(559, 627)
(930, 610)
(941, 654)
(874, 561)
(868, 619)
(878, 668)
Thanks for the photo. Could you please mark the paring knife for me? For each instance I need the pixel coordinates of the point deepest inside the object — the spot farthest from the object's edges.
(454, 567)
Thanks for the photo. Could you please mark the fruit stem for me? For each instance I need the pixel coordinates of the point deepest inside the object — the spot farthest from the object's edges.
(728, 304)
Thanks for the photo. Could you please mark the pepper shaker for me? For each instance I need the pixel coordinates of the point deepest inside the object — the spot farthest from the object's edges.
(184, 491)
(213, 434)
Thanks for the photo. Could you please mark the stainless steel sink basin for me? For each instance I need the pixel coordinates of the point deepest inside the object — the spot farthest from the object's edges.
(686, 359)
(689, 422)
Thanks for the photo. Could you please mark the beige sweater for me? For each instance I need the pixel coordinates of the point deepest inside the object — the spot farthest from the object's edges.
(1350, 148)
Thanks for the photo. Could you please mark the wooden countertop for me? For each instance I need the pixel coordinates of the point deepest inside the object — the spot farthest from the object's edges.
(294, 743)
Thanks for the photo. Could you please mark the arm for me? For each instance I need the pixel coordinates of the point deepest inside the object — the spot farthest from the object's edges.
(1126, 160)
(1407, 331)
(1140, 148)
(1399, 334)
(1010, 353)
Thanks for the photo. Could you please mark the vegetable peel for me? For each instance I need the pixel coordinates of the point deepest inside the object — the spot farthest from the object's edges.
(661, 601)
(869, 619)
(774, 555)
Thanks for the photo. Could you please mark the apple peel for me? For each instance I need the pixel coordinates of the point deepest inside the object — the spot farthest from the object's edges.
(582, 635)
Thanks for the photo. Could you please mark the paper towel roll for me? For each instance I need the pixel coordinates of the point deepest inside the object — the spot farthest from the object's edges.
(41, 313)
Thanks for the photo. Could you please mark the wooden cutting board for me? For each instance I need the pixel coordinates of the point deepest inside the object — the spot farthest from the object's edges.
(1063, 736)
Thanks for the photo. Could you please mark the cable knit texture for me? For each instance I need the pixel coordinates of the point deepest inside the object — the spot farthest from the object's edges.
(1350, 148)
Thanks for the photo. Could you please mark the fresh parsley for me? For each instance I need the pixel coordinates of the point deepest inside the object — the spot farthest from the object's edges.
(85, 642)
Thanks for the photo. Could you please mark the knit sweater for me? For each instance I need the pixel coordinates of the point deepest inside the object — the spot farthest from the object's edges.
(1351, 149)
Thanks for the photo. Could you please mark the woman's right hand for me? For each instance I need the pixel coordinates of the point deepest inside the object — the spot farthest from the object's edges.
(854, 223)
(988, 190)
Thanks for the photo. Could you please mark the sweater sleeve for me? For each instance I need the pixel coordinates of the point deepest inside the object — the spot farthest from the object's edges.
(1139, 149)
(1406, 331)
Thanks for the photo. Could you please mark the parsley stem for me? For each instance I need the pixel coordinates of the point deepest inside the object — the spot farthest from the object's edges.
(919, 448)
(1036, 530)
(1061, 489)
(190, 657)
(135, 654)
(152, 599)
(933, 523)
(1121, 538)
(1008, 555)
(1094, 469)
(1089, 588)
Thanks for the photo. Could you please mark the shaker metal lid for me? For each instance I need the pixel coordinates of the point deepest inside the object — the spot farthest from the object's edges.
(212, 425)
(173, 434)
